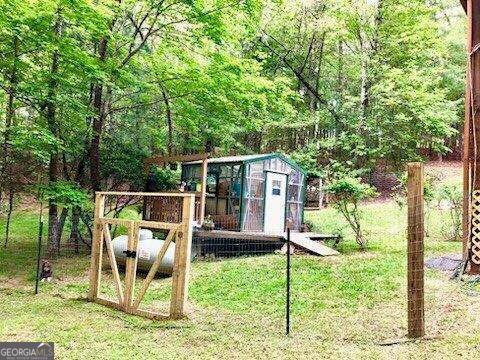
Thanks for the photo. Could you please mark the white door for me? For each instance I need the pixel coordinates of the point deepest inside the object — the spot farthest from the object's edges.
(275, 198)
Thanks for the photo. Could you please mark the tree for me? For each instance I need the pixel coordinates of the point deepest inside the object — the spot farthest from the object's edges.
(372, 93)
(91, 88)
(346, 195)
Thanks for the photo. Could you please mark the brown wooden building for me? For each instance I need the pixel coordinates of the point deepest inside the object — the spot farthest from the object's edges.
(471, 141)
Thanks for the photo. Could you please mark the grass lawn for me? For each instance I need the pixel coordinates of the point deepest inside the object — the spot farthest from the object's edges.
(343, 306)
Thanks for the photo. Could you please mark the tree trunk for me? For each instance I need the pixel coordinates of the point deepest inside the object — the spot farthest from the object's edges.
(53, 221)
(97, 125)
(320, 193)
(364, 56)
(74, 231)
(9, 116)
(168, 110)
(53, 228)
(363, 87)
(358, 229)
(75, 235)
(9, 216)
(61, 225)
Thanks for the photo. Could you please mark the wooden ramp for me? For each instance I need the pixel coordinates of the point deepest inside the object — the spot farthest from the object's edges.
(304, 241)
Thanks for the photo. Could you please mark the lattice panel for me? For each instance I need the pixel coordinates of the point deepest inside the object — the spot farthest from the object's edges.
(475, 228)
(226, 222)
(164, 209)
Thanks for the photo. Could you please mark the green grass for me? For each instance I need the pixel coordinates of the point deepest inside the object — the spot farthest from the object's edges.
(19, 256)
(342, 306)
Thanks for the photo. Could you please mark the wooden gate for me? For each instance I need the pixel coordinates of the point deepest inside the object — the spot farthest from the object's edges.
(180, 233)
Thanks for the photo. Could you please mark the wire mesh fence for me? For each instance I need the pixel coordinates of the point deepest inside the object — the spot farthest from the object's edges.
(66, 270)
(226, 247)
(22, 253)
(28, 257)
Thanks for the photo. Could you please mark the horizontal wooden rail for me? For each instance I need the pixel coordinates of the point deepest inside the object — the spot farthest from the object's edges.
(160, 160)
(141, 223)
(144, 313)
(121, 193)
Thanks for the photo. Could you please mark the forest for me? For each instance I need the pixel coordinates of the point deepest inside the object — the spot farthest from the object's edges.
(91, 88)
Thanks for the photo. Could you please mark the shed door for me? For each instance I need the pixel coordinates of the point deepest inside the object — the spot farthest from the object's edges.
(275, 198)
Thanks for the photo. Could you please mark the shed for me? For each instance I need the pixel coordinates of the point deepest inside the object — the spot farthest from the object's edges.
(254, 193)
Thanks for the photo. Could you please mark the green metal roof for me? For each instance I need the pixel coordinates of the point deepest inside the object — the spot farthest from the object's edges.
(248, 159)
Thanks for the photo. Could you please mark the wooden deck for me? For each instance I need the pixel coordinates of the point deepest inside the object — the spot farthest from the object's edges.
(307, 241)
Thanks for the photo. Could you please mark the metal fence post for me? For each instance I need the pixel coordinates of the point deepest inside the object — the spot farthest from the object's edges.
(39, 252)
(287, 312)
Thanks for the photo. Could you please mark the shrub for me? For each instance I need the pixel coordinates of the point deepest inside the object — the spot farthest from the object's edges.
(165, 179)
(65, 194)
(345, 195)
(450, 199)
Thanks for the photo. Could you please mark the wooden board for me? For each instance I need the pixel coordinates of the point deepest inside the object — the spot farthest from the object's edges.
(161, 160)
(181, 262)
(97, 247)
(141, 223)
(303, 241)
(237, 235)
(113, 263)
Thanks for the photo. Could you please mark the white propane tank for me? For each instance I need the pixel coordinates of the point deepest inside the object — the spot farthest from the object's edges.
(148, 248)
(145, 234)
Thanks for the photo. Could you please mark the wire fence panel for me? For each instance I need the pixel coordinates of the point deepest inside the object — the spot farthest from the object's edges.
(225, 247)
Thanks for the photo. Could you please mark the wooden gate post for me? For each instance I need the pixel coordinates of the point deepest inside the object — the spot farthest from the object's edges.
(131, 264)
(181, 263)
(97, 247)
(416, 230)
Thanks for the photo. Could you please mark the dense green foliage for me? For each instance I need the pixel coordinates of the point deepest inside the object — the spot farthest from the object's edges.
(65, 194)
(91, 88)
(165, 179)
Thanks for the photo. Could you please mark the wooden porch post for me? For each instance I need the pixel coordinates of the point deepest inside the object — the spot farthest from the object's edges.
(471, 148)
(203, 193)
